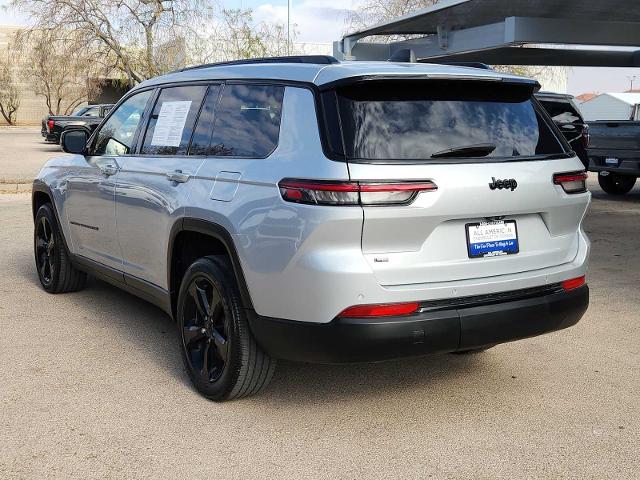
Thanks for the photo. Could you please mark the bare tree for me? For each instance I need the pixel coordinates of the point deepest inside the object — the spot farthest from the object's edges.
(135, 32)
(61, 68)
(370, 12)
(9, 91)
(237, 36)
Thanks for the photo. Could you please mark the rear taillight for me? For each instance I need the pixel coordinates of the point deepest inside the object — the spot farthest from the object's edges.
(314, 192)
(50, 124)
(571, 182)
(383, 310)
(573, 283)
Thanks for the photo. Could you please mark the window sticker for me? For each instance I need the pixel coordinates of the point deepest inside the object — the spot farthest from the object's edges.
(170, 124)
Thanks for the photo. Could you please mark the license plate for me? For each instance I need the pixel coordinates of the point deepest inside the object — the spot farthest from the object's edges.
(612, 161)
(492, 239)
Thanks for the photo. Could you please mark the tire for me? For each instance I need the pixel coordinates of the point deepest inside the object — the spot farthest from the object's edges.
(213, 326)
(55, 270)
(616, 184)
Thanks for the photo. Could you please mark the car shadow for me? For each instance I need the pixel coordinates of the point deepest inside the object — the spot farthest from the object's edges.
(128, 319)
(48, 147)
(311, 384)
(140, 325)
(632, 197)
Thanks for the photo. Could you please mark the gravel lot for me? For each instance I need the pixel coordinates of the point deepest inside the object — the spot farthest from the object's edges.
(92, 386)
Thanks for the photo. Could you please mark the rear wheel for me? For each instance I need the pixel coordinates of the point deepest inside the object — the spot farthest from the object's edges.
(221, 356)
(55, 270)
(616, 184)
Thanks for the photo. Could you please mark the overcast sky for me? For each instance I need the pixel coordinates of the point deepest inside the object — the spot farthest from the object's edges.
(322, 21)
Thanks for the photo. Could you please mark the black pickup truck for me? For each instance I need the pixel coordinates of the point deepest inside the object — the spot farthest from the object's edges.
(88, 118)
(614, 152)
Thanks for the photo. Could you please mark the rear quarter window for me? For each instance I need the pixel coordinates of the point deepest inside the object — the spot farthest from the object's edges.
(418, 120)
(246, 122)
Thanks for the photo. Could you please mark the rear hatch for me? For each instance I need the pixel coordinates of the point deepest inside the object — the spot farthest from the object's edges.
(492, 153)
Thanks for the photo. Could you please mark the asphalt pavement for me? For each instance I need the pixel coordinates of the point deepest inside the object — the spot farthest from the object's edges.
(23, 151)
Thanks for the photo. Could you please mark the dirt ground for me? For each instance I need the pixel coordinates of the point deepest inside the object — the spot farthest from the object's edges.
(92, 386)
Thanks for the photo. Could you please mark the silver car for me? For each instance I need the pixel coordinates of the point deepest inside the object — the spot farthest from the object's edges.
(313, 210)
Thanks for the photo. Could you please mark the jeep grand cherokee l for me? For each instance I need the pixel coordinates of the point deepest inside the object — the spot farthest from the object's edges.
(312, 210)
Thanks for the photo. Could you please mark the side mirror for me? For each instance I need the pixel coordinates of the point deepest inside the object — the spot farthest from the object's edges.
(74, 141)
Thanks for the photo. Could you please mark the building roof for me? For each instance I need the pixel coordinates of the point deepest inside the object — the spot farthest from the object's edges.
(628, 98)
(585, 97)
(323, 74)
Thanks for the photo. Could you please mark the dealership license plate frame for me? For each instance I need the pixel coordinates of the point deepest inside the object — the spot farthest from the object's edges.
(495, 250)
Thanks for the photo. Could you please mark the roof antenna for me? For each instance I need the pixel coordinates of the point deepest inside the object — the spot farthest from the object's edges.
(403, 55)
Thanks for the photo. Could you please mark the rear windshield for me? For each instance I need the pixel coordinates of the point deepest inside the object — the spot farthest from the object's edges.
(561, 111)
(436, 120)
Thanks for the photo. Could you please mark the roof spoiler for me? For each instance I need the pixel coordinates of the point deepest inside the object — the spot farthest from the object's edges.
(408, 55)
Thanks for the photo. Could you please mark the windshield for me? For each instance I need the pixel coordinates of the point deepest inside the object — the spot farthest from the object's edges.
(418, 120)
(79, 111)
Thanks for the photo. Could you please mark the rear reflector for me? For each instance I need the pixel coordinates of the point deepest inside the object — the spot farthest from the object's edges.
(573, 283)
(572, 182)
(314, 192)
(383, 310)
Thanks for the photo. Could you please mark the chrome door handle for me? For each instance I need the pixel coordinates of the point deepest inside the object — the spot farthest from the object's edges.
(108, 170)
(178, 177)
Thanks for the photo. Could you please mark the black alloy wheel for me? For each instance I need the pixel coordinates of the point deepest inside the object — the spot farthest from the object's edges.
(204, 331)
(56, 272)
(45, 251)
(220, 354)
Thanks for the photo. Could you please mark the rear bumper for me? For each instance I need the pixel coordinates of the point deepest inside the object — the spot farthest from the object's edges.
(629, 162)
(50, 137)
(435, 330)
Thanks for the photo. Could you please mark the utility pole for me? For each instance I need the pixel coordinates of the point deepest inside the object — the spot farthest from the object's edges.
(632, 78)
(288, 27)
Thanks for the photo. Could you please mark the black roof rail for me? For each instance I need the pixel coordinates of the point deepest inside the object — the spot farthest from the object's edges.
(483, 66)
(311, 59)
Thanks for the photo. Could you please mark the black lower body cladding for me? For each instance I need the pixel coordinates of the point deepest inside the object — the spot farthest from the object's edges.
(437, 331)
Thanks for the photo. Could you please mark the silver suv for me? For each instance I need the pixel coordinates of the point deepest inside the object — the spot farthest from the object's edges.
(306, 209)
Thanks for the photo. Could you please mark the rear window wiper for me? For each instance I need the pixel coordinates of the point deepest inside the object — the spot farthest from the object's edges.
(478, 150)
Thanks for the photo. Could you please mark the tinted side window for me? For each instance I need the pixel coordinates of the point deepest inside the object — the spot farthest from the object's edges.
(247, 121)
(204, 127)
(172, 120)
(117, 134)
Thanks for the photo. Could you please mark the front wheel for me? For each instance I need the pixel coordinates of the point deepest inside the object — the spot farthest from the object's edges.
(56, 272)
(220, 354)
(616, 184)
